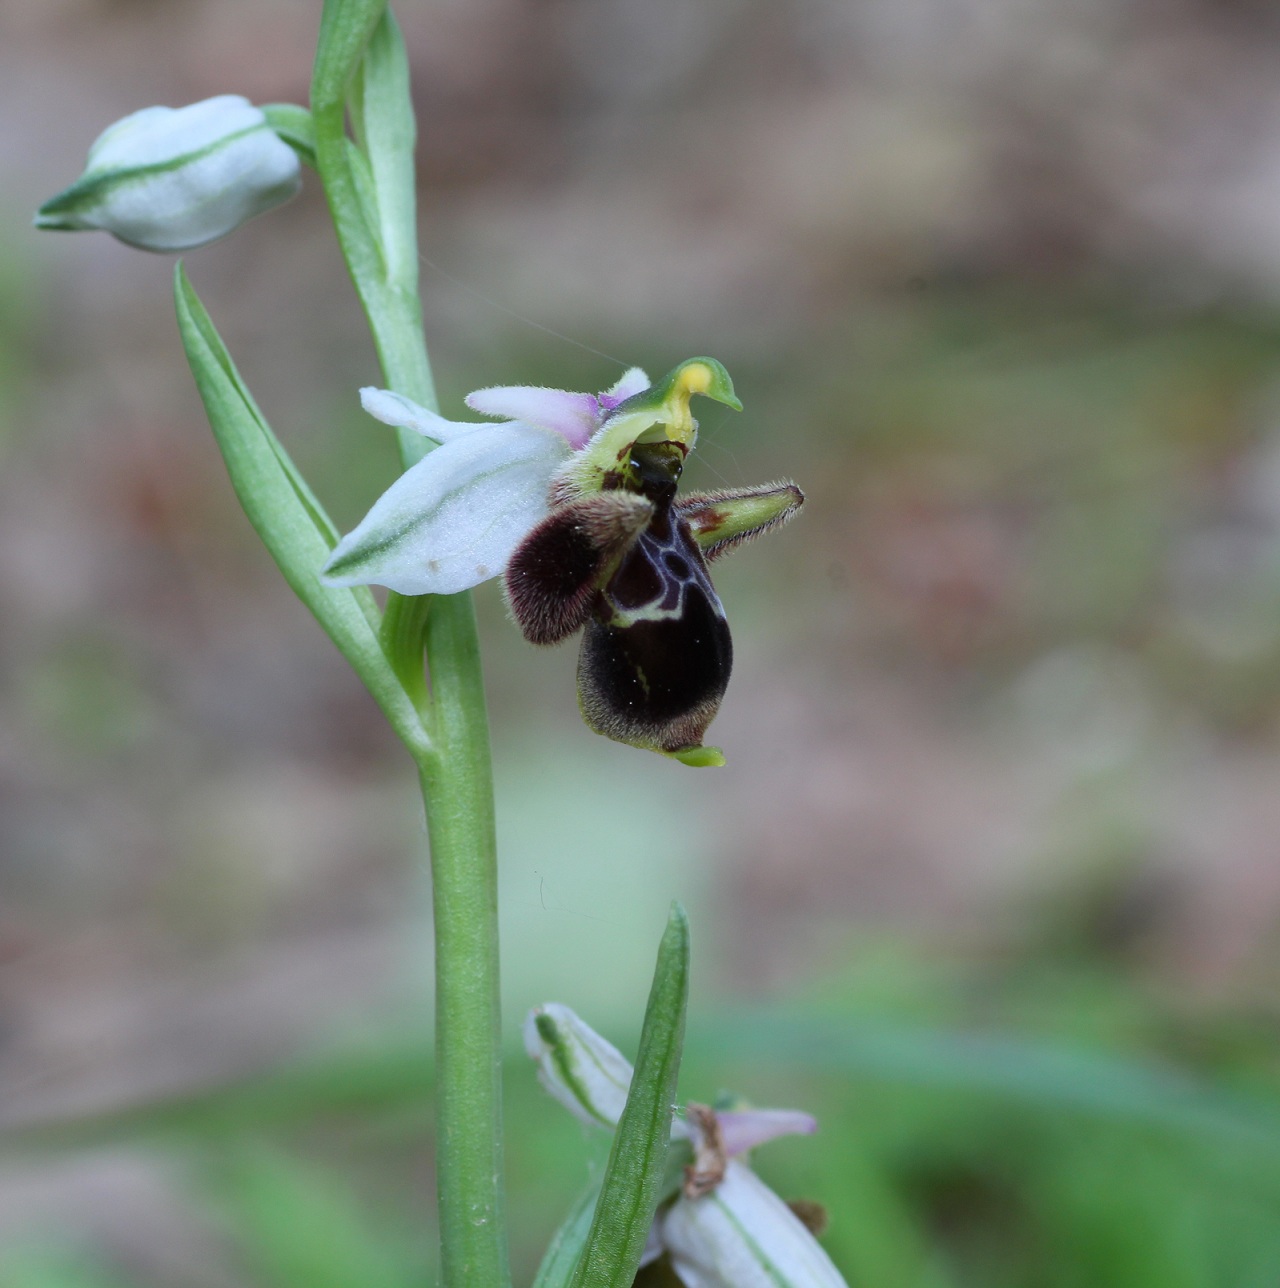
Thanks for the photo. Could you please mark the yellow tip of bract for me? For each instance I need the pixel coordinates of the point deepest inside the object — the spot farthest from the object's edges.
(698, 757)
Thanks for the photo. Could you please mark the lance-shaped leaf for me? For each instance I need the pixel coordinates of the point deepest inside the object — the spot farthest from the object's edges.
(286, 515)
(633, 1179)
(382, 113)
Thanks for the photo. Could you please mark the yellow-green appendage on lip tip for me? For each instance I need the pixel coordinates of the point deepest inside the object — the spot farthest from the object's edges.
(698, 757)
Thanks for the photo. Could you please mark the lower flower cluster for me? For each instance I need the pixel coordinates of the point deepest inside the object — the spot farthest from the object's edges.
(727, 1228)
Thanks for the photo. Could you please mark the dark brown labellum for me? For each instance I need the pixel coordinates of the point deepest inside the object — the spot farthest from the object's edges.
(629, 564)
(656, 654)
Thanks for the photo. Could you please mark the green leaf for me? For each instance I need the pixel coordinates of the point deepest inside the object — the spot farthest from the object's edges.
(1043, 1074)
(382, 109)
(286, 515)
(635, 1172)
(385, 272)
(345, 28)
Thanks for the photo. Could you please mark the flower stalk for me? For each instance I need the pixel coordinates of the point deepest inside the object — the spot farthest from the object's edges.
(361, 67)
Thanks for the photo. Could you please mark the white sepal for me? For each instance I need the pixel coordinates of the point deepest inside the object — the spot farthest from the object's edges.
(169, 179)
(587, 1075)
(403, 413)
(456, 517)
(742, 1235)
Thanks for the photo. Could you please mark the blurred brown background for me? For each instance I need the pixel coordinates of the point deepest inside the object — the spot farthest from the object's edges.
(997, 281)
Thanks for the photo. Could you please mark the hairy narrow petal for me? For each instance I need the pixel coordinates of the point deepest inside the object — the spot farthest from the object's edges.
(722, 521)
(586, 1074)
(453, 520)
(744, 1129)
(403, 413)
(742, 1235)
(574, 416)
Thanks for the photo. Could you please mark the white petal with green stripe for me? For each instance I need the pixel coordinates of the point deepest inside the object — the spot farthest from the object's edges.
(169, 179)
(742, 1235)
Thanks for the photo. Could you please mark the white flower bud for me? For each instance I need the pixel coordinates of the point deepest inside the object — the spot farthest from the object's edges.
(168, 179)
(742, 1235)
(586, 1074)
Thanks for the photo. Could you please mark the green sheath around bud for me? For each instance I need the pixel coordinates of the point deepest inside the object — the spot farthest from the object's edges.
(170, 179)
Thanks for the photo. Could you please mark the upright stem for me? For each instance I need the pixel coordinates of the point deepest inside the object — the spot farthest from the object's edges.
(458, 788)
(456, 775)
(370, 189)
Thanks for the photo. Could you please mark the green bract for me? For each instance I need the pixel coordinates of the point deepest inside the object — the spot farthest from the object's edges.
(169, 179)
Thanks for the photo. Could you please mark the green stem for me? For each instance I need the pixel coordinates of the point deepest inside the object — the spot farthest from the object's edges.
(457, 784)
(370, 195)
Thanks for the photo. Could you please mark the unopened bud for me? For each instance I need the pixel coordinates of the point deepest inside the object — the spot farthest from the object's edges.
(169, 179)
(586, 1074)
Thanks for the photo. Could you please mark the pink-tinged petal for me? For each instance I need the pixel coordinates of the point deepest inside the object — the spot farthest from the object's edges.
(633, 381)
(575, 416)
(403, 413)
(746, 1128)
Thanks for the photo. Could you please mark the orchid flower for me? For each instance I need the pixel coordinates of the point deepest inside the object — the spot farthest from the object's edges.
(727, 1229)
(572, 498)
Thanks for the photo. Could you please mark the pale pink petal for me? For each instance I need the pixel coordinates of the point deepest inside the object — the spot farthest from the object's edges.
(746, 1128)
(575, 416)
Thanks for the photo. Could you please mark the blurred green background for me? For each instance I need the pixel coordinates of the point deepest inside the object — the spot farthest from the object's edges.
(991, 882)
